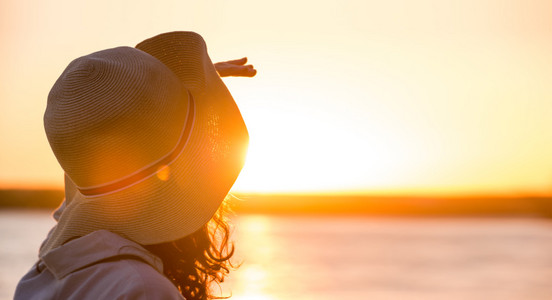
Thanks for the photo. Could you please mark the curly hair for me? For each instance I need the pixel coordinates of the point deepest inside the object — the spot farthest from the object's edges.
(196, 261)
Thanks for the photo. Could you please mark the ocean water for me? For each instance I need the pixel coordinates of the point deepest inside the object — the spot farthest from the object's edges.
(314, 257)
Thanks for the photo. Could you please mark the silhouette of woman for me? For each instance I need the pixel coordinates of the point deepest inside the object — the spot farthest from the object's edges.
(150, 141)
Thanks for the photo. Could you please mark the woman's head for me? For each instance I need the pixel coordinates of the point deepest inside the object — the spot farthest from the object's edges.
(150, 140)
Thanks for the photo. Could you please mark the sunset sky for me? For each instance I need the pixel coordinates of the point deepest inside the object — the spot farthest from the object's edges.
(397, 97)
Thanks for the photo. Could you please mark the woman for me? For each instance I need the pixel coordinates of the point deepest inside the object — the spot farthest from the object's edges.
(151, 142)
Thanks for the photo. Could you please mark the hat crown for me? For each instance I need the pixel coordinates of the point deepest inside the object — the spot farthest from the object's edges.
(113, 112)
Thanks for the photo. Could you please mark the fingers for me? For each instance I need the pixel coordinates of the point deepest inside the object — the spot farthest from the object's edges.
(235, 67)
(248, 71)
(241, 71)
(238, 62)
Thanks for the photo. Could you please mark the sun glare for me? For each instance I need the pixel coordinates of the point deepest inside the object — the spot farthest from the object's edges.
(300, 149)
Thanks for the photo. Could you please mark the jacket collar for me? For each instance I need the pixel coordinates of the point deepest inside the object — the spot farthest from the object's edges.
(93, 248)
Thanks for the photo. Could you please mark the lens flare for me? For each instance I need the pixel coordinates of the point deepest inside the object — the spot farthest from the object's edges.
(164, 172)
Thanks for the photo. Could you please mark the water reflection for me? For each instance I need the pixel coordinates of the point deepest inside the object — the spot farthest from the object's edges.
(365, 258)
(251, 281)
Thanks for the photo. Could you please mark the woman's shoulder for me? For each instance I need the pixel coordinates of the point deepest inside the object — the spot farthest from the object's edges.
(129, 278)
(101, 265)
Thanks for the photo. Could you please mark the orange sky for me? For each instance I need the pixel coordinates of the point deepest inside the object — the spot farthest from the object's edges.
(418, 97)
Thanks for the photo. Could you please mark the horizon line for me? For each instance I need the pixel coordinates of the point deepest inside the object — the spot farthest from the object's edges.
(390, 193)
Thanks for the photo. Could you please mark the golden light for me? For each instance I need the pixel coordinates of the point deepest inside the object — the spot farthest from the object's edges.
(253, 280)
(312, 148)
(252, 296)
(422, 97)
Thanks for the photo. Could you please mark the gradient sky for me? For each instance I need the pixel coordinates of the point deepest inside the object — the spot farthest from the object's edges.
(416, 97)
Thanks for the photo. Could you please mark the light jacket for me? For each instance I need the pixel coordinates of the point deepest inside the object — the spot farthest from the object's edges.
(100, 265)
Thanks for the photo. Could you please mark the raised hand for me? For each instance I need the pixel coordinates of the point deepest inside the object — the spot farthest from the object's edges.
(236, 67)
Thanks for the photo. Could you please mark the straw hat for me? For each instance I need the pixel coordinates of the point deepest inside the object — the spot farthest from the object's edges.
(150, 140)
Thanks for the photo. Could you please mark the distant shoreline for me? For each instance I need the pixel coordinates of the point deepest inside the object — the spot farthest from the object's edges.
(31, 198)
(334, 204)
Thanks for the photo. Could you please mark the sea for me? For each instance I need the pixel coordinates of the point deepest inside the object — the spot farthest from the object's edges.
(351, 257)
